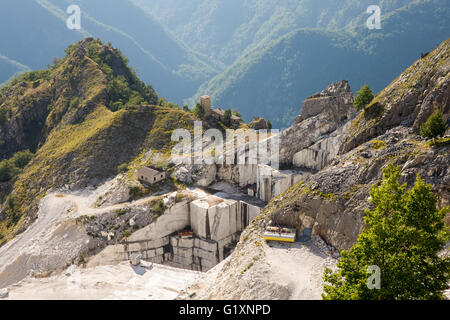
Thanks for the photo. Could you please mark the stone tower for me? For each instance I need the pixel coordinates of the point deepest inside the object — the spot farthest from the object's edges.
(205, 101)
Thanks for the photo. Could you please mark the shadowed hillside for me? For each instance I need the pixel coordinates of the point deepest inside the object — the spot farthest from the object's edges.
(275, 78)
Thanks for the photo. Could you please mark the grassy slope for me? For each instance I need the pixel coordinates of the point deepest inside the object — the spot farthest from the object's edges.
(414, 80)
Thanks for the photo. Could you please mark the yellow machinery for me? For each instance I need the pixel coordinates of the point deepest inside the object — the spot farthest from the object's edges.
(279, 234)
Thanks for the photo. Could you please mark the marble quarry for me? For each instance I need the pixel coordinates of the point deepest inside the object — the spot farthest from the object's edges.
(215, 220)
(271, 182)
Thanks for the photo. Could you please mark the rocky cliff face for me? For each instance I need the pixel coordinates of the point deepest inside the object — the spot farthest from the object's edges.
(315, 137)
(332, 201)
(408, 101)
(27, 108)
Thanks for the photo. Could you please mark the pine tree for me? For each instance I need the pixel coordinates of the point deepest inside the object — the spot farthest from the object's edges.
(227, 118)
(404, 235)
(199, 111)
(434, 126)
(363, 98)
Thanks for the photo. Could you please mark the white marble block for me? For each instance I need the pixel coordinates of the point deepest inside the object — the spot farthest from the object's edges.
(219, 221)
(183, 252)
(199, 214)
(206, 245)
(203, 254)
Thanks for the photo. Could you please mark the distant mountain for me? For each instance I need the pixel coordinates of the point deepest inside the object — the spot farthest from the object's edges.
(172, 68)
(226, 29)
(245, 54)
(272, 80)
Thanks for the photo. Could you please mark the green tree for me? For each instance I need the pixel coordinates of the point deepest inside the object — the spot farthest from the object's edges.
(162, 102)
(10, 202)
(237, 114)
(269, 125)
(8, 170)
(227, 118)
(159, 207)
(405, 231)
(434, 126)
(363, 98)
(199, 111)
(135, 99)
(5, 171)
(3, 115)
(118, 90)
(21, 159)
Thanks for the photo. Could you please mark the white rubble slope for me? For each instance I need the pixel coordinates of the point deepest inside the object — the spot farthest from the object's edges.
(55, 239)
(276, 271)
(118, 282)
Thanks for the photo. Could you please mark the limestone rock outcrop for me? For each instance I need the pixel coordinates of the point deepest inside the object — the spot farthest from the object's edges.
(202, 175)
(315, 137)
(336, 197)
(258, 124)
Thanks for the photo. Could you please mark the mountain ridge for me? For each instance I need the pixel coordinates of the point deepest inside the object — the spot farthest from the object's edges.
(78, 136)
(161, 60)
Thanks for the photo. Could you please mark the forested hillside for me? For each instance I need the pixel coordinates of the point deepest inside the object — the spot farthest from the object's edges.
(226, 29)
(275, 78)
(247, 55)
(172, 68)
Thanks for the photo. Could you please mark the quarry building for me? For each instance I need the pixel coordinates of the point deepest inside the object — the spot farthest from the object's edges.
(150, 175)
(219, 113)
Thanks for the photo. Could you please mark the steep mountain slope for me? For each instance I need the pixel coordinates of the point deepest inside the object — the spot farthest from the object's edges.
(286, 71)
(226, 29)
(81, 120)
(331, 202)
(159, 59)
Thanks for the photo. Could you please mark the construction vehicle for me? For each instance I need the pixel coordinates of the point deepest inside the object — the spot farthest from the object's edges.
(279, 233)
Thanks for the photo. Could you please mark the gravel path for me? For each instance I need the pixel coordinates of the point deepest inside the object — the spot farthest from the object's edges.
(299, 267)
